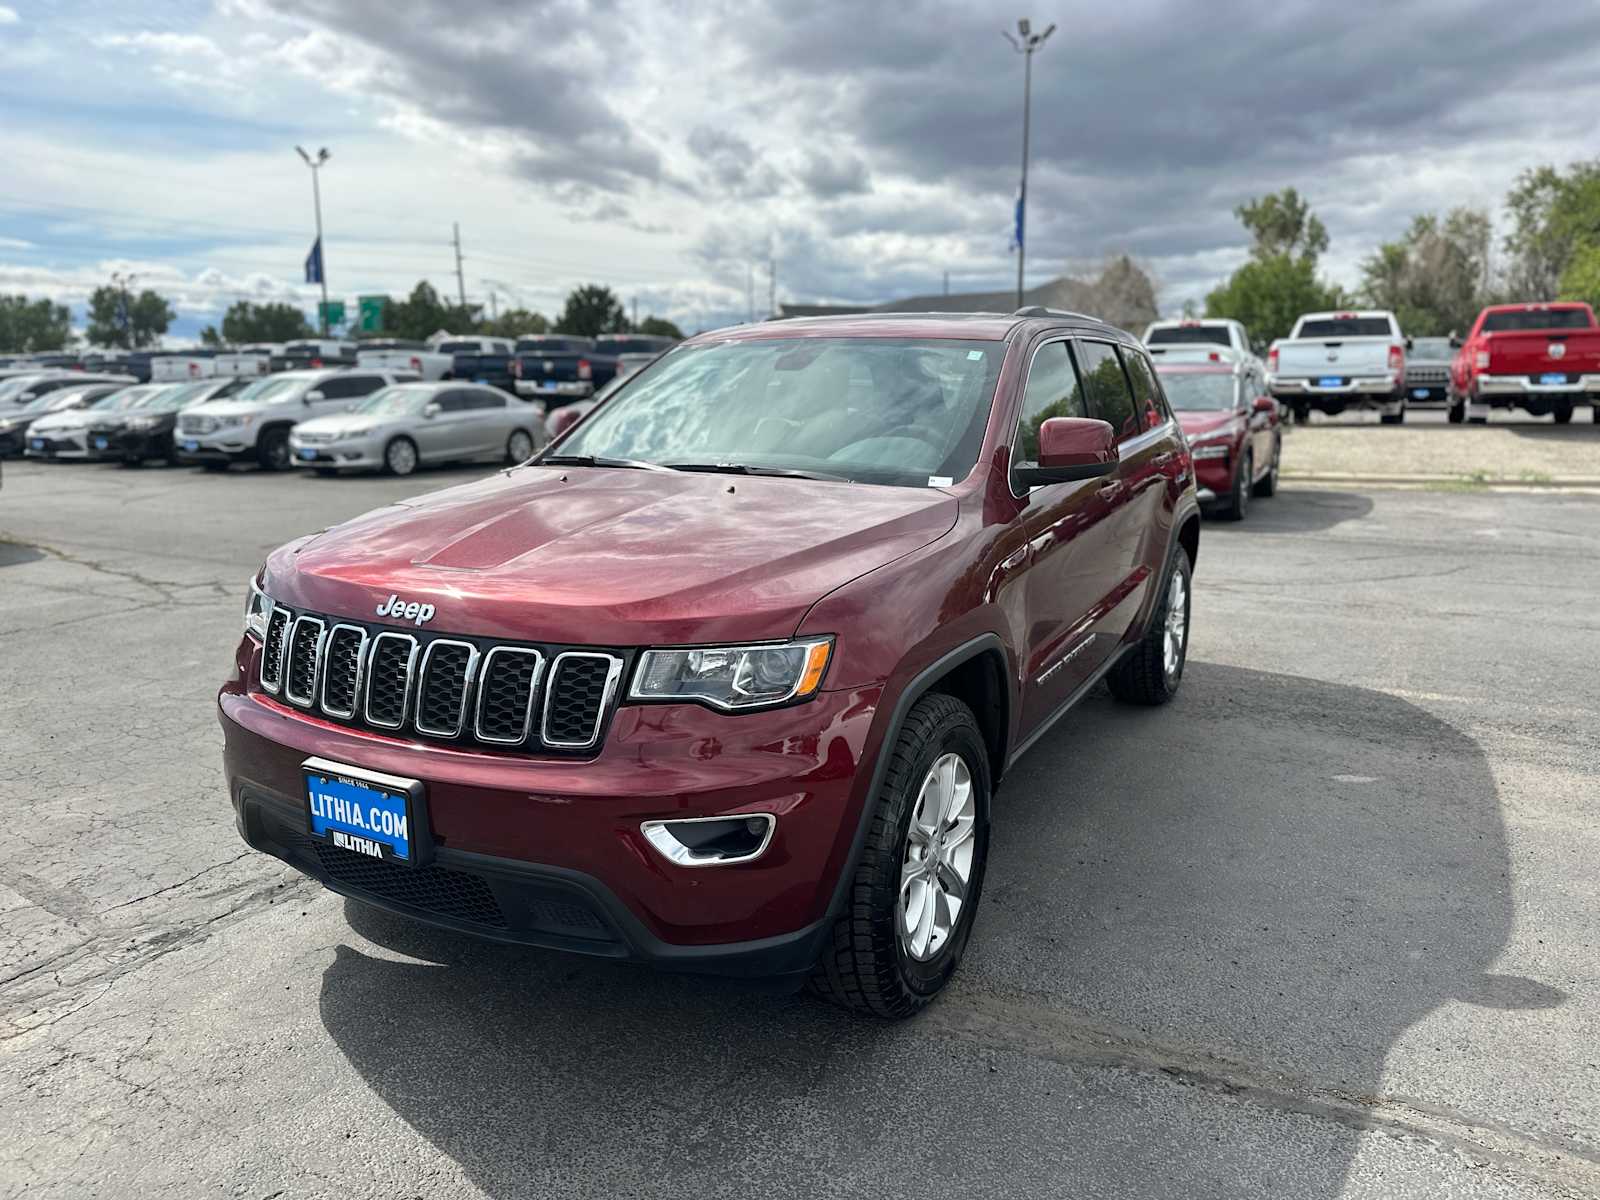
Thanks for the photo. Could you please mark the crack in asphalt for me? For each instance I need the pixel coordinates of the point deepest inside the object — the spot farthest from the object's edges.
(1057, 1036)
(166, 588)
(181, 883)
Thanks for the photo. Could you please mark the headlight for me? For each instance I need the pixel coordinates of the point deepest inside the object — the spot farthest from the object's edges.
(257, 607)
(142, 424)
(734, 677)
(233, 422)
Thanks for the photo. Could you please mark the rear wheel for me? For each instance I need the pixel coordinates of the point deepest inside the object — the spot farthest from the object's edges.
(1151, 672)
(519, 447)
(1238, 502)
(400, 456)
(1302, 414)
(910, 904)
(272, 452)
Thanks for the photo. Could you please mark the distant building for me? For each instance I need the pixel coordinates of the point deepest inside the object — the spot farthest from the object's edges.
(1122, 295)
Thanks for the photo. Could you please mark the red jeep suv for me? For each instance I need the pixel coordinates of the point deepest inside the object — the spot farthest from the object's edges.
(726, 678)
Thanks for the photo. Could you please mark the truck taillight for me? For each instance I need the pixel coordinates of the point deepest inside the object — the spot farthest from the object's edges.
(416, 364)
(316, 362)
(1272, 359)
(516, 368)
(1481, 360)
(585, 371)
(1397, 358)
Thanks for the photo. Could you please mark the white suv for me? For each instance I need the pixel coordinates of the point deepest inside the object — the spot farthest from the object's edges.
(254, 425)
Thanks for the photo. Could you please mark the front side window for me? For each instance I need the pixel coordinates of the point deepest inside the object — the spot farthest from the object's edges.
(893, 411)
(1052, 390)
(1109, 397)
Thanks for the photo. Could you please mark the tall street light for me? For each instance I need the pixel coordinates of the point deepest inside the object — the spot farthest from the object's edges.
(316, 196)
(1025, 43)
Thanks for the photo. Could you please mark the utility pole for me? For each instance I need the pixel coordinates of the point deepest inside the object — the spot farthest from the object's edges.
(322, 255)
(1029, 43)
(461, 283)
(124, 285)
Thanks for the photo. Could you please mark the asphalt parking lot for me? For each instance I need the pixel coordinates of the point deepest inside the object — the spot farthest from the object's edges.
(1324, 927)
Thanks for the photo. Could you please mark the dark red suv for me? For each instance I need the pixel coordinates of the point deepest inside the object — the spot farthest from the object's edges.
(726, 679)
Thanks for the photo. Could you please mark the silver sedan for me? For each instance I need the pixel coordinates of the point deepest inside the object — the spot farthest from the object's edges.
(400, 427)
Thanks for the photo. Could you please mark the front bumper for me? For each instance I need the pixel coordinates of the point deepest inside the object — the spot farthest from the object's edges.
(353, 453)
(69, 445)
(229, 446)
(564, 391)
(1215, 474)
(123, 444)
(1385, 392)
(549, 851)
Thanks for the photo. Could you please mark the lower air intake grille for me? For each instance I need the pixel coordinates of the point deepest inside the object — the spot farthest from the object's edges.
(433, 889)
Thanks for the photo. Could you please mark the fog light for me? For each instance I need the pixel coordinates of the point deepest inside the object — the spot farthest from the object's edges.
(711, 841)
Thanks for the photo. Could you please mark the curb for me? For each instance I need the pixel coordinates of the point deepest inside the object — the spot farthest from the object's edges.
(1556, 483)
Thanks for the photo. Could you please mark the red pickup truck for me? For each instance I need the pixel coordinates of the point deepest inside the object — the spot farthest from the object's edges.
(1544, 358)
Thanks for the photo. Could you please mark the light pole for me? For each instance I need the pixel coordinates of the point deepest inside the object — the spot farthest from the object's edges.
(322, 255)
(1028, 43)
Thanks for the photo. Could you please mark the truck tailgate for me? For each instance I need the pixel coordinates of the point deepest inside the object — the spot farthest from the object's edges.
(1539, 352)
(1352, 356)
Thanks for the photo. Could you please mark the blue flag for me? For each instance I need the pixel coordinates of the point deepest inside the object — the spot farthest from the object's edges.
(314, 263)
(1016, 237)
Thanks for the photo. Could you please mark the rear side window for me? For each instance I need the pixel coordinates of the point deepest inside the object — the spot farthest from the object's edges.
(1109, 397)
(1332, 327)
(347, 387)
(456, 400)
(1146, 396)
(482, 398)
(1190, 335)
(1053, 390)
(1550, 318)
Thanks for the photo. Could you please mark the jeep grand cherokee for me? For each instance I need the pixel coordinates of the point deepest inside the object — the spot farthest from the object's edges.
(725, 680)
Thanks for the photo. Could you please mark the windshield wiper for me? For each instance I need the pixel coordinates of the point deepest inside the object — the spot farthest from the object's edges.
(723, 468)
(595, 460)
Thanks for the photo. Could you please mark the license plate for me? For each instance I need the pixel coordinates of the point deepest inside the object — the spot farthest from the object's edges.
(308, 455)
(1419, 393)
(189, 446)
(102, 443)
(1553, 378)
(36, 443)
(1330, 381)
(362, 811)
(548, 387)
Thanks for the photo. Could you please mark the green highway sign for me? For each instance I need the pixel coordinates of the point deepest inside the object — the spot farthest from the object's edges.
(332, 312)
(371, 310)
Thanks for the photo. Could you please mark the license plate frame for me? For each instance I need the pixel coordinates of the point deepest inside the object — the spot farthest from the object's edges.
(365, 788)
(1330, 381)
(307, 454)
(102, 443)
(188, 446)
(1554, 377)
(36, 443)
(1419, 393)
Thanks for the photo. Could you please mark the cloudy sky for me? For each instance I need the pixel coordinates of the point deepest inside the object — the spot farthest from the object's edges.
(668, 149)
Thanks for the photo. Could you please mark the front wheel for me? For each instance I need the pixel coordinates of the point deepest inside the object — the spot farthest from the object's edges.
(1151, 671)
(910, 904)
(400, 456)
(1239, 499)
(273, 451)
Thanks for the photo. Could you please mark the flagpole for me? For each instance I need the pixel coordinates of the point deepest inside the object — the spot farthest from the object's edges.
(322, 261)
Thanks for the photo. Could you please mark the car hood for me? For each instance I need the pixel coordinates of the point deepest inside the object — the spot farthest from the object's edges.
(1196, 424)
(611, 557)
(72, 419)
(235, 408)
(342, 424)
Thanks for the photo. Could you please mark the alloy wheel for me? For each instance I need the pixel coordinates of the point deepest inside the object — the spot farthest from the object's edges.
(401, 457)
(1175, 629)
(937, 870)
(519, 447)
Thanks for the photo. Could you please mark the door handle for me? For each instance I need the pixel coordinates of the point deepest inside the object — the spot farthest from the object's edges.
(1110, 491)
(1163, 460)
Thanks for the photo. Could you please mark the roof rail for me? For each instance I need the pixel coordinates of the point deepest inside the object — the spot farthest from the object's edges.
(1039, 310)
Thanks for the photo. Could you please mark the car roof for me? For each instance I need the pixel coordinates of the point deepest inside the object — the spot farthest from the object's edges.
(976, 326)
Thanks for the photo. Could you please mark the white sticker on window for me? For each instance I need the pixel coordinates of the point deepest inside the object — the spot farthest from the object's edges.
(940, 480)
(974, 355)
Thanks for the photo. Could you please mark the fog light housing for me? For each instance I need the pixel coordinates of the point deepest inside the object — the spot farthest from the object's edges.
(711, 841)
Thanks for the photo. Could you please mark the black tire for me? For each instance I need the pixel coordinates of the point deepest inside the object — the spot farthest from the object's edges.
(1563, 414)
(397, 460)
(1142, 677)
(1302, 414)
(863, 966)
(272, 451)
(519, 447)
(1457, 414)
(1268, 484)
(1398, 418)
(1238, 501)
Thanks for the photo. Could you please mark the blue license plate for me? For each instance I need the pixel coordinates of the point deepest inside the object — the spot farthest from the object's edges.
(1552, 378)
(1419, 393)
(1330, 381)
(308, 455)
(189, 446)
(36, 443)
(360, 814)
(548, 387)
(102, 443)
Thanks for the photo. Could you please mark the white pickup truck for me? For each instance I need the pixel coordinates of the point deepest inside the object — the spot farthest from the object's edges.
(1194, 339)
(393, 355)
(1332, 361)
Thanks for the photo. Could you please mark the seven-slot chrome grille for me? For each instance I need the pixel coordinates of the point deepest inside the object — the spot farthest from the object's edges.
(1427, 376)
(440, 686)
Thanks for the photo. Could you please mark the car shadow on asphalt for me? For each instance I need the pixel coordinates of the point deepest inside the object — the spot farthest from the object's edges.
(1292, 510)
(1273, 871)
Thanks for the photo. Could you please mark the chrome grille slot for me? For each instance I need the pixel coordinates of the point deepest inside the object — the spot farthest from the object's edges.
(272, 646)
(581, 686)
(389, 679)
(343, 660)
(506, 688)
(302, 657)
(444, 679)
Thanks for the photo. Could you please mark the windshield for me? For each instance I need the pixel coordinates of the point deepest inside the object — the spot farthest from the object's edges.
(877, 410)
(1200, 391)
(128, 397)
(1190, 335)
(54, 401)
(274, 389)
(395, 400)
(1550, 318)
(12, 387)
(1334, 327)
(184, 395)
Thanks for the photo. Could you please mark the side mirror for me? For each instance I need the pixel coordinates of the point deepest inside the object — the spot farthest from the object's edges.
(1265, 404)
(1409, 346)
(313, 397)
(430, 410)
(1071, 448)
(1455, 342)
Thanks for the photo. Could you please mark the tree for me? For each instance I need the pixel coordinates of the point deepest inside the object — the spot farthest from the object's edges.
(245, 322)
(119, 318)
(1554, 216)
(1581, 279)
(591, 310)
(422, 314)
(1282, 223)
(659, 327)
(33, 324)
(1436, 278)
(516, 322)
(1267, 294)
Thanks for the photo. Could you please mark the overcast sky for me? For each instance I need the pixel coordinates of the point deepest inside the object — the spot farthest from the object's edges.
(665, 149)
